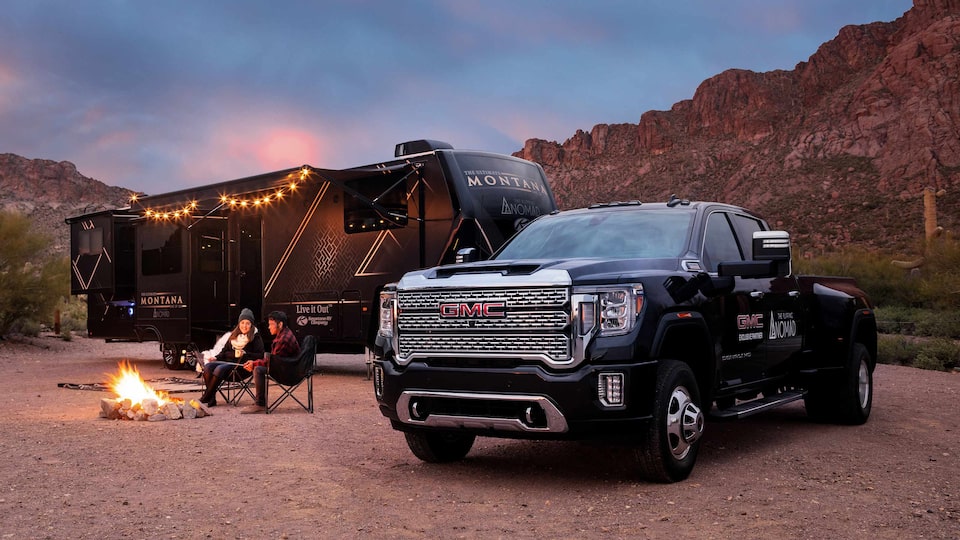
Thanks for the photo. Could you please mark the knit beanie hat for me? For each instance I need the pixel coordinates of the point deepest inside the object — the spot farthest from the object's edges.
(248, 315)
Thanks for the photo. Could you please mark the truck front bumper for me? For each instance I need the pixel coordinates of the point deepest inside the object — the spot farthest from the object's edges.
(519, 402)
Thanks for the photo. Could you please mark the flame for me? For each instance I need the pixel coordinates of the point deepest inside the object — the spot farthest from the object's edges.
(127, 384)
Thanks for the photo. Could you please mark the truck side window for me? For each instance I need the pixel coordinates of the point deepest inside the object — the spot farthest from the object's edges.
(746, 226)
(719, 242)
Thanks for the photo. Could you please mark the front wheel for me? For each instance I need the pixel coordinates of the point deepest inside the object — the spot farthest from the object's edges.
(669, 449)
(439, 446)
(847, 397)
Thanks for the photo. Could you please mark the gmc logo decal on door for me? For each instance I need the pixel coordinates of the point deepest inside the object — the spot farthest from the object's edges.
(475, 310)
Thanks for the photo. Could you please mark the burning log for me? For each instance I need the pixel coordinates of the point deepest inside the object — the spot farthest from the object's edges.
(137, 401)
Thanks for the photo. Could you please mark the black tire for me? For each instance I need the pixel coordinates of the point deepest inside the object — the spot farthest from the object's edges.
(171, 355)
(439, 446)
(847, 397)
(192, 357)
(669, 449)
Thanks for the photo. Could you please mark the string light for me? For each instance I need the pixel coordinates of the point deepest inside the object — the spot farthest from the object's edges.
(247, 200)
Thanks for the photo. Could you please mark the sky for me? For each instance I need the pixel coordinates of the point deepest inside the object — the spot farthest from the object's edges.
(158, 96)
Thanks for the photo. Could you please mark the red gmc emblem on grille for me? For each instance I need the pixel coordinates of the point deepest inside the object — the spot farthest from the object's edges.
(474, 310)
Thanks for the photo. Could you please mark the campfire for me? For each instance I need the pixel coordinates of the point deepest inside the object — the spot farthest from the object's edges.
(136, 400)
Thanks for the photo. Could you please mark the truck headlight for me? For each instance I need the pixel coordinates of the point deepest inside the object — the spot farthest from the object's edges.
(388, 312)
(618, 307)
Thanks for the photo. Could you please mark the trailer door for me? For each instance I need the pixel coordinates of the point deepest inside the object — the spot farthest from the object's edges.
(208, 283)
(248, 266)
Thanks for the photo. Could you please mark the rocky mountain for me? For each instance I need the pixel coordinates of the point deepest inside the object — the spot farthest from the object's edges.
(837, 151)
(49, 192)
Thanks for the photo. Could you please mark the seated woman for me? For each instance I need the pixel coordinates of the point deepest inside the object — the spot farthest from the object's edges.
(245, 344)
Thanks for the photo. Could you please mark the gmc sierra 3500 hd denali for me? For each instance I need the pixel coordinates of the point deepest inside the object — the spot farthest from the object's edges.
(627, 322)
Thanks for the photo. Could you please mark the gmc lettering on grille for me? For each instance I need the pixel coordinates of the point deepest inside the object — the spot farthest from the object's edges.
(462, 310)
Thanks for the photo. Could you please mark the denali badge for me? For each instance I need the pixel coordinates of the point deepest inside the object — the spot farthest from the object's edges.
(474, 310)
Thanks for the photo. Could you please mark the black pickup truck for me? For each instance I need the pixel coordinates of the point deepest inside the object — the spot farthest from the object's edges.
(628, 322)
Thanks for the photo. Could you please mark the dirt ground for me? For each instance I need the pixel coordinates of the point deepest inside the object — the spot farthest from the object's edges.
(343, 473)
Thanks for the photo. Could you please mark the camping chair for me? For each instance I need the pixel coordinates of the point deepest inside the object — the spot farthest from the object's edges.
(233, 388)
(304, 372)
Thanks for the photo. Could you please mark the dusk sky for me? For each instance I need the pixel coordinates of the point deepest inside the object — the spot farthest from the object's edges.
(161, 96)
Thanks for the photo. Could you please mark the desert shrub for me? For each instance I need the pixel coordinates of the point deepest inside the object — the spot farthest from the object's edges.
(935, 354)
(29, 328)
(918, 322)
(69, 325)
(32, 278)
(885, 283)
(896, 350)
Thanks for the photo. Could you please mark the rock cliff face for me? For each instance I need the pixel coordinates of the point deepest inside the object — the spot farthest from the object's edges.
(838, 150)
(49, 192)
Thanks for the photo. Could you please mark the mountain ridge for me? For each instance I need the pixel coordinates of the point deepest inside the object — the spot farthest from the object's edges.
(841, 145)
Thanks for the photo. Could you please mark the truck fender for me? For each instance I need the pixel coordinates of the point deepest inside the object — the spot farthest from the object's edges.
(863, 330)
(685, 336)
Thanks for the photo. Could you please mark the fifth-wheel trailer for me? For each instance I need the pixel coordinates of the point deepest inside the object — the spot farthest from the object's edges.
(317, 244)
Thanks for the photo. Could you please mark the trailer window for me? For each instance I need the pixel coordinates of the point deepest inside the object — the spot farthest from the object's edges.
(161, 250)
(210, 257)
(90, 241)
(382, 204)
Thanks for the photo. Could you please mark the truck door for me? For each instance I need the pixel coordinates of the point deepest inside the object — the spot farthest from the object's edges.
(742, 312)
(780, 303)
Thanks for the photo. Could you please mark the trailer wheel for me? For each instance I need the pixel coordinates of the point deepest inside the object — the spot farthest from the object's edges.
(171, 355)
(192, 357)
(439, 446)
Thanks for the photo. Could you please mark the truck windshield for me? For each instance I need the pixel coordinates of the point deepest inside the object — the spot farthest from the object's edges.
(627, 234)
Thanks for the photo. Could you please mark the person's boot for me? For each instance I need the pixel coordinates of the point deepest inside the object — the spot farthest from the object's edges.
(209, 397)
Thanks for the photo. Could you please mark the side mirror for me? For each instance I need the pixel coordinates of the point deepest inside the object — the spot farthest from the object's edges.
(771, 258)
(466, 255)
(773, 246)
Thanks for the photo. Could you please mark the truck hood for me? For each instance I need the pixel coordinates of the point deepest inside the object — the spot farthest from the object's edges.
(538, 272)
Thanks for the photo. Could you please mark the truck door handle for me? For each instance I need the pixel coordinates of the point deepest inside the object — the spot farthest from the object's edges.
(794, 294)
(756, 294)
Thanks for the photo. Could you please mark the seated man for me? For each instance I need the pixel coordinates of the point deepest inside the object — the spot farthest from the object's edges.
(283, 359)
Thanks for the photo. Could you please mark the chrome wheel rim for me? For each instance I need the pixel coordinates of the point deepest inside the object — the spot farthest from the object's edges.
(863, 385)
(684, 422)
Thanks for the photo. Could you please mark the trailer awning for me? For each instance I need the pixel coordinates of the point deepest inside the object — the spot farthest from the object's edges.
(211, 197)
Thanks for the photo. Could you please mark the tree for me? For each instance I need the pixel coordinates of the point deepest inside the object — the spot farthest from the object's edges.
(32, 278)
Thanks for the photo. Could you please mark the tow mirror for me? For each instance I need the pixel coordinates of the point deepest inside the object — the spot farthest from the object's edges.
(466, 255)
(773, 246)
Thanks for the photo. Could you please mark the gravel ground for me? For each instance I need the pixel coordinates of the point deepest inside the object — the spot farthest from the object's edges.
(343, 473)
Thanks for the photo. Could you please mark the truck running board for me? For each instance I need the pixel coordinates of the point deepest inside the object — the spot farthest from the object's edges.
(755, 406)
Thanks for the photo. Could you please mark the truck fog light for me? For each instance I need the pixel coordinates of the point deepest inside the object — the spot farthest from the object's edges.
(610, 389)
(378, 381)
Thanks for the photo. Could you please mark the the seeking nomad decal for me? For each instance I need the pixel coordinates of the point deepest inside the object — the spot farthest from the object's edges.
(782, 325)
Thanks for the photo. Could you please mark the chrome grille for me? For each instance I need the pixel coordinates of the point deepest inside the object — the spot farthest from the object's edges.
(556, 346)
(533, 326)
(515, 298)
(524, 320)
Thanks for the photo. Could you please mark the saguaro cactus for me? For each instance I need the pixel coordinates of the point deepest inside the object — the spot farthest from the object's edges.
(931, 231)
